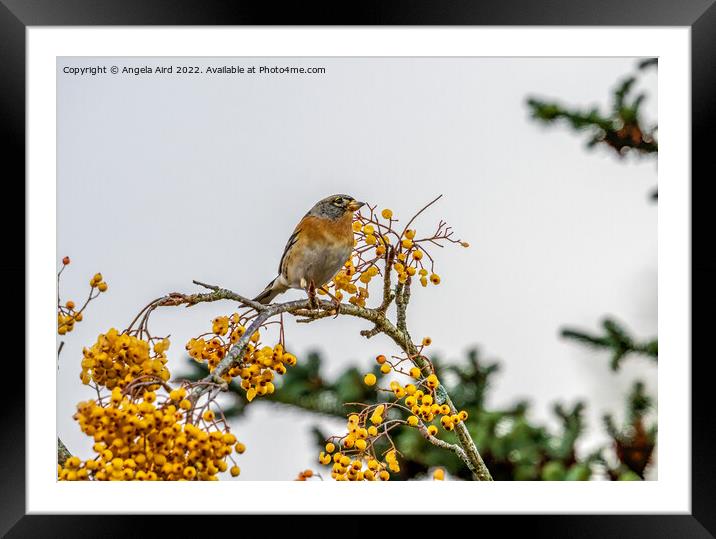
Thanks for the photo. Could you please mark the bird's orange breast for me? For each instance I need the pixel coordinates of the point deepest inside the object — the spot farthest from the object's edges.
(329, 231)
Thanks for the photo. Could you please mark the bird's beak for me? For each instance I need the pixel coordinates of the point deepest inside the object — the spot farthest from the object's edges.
(355, 205)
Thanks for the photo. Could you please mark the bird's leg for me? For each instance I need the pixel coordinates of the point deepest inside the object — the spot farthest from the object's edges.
(311, 291)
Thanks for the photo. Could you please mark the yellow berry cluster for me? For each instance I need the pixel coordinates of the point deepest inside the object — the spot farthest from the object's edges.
(348, 280)
(357, 461)
(68, 313)
(137, 437)
(376, 238)
(97, 282)
(259, 364)
(419, 399)
(116, 359)
(66, 317)
(416, 400)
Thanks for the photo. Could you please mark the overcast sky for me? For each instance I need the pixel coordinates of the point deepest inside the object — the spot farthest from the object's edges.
(167, 178)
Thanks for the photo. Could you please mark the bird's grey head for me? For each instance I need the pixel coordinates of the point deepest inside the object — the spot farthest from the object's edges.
(335, 206)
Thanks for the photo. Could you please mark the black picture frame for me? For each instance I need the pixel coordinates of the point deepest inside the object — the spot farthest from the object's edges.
(699, 15)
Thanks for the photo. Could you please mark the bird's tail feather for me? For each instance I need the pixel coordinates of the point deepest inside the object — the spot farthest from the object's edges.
(273, 289)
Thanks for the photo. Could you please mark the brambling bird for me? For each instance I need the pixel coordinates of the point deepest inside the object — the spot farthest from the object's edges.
(316, 251)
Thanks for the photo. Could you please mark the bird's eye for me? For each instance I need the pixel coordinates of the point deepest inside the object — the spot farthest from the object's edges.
(337, 200)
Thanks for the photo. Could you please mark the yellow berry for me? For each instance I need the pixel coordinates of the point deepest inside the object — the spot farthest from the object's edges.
(432, 430)
(369, 379)
(228, 439)
(289, 359)
(387, 214)
(435, 279)
(385, 368)
(427, 341)
(412, 420)
(235, 471)
(439, 474)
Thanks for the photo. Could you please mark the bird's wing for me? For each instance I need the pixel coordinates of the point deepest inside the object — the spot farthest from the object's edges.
(289, 244)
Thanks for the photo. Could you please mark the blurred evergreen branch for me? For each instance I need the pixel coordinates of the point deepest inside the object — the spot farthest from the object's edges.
(621, 128)
(649, 62)
(634, 443)
(617, 340)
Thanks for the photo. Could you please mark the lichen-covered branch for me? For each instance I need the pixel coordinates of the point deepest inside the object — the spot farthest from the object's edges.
(62, 452)
(450, 447)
